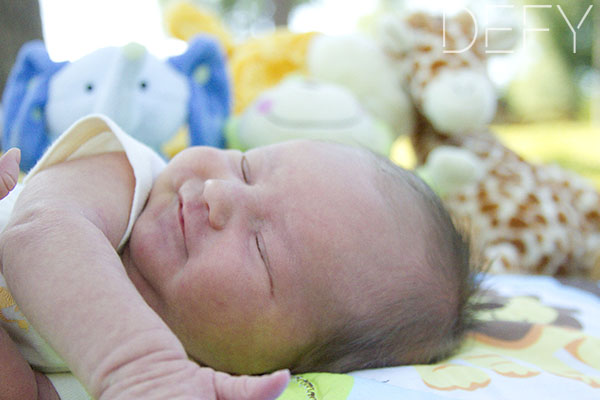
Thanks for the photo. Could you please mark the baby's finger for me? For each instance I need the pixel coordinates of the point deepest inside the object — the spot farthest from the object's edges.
(9, 171)
(267, 387)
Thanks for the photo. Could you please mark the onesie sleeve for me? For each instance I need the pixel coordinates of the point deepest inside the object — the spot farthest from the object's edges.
(98, 134)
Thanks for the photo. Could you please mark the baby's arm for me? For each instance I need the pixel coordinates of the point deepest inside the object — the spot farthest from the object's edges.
(17, 379)
(58, 257)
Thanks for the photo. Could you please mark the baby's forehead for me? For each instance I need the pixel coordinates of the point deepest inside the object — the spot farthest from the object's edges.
(315, 148)
(328, 182)
(342, 198)
(319, 157)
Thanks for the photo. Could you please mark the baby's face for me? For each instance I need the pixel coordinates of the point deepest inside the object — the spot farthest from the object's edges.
(247, 255)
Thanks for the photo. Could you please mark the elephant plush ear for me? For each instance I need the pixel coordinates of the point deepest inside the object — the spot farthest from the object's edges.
(24, 100)
(210, 100)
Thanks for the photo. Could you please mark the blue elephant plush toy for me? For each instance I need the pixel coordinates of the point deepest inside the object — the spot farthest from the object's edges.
(150, 99)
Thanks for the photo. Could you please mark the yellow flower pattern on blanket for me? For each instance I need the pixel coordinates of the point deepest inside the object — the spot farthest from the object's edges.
(315, 386)
(9, 311)
(522, 339)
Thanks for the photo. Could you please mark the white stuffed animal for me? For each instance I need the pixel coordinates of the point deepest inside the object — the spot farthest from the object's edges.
(150, 98)
(359, 64)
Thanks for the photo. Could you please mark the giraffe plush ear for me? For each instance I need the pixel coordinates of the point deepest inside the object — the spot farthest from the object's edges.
(395, 35)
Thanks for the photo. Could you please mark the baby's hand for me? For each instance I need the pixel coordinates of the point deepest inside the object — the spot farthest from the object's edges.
(9, 171)
(191, 382)
(266, 387)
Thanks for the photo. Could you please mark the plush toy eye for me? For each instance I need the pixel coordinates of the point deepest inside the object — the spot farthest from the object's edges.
(143, 85)
(89, 87)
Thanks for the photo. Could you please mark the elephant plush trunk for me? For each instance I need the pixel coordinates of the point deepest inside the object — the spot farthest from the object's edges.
(120, 89)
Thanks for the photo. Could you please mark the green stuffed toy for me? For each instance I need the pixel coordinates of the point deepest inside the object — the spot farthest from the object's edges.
(303, 108)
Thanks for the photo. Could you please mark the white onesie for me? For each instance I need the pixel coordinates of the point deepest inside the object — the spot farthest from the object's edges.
(91, 135)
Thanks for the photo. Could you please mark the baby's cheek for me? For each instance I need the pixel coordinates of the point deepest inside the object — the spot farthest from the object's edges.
(219, 298)
(142, 241)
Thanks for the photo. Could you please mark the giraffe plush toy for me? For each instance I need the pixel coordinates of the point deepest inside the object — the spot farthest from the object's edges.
(522, 218)
(449, 87)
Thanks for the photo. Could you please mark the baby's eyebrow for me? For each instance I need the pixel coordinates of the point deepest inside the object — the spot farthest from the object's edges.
(262, 160)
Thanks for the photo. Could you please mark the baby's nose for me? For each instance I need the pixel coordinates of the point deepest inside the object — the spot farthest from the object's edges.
(224, 198)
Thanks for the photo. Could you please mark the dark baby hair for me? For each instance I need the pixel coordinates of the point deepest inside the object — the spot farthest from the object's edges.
(428, 319)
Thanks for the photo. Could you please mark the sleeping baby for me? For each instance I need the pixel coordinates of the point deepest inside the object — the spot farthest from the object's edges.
(144, 278)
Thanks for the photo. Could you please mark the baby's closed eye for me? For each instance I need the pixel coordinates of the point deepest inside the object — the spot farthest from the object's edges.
(245, 167)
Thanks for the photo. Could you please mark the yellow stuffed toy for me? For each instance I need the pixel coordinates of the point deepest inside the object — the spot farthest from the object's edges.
(184, 20)
(256, 64)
